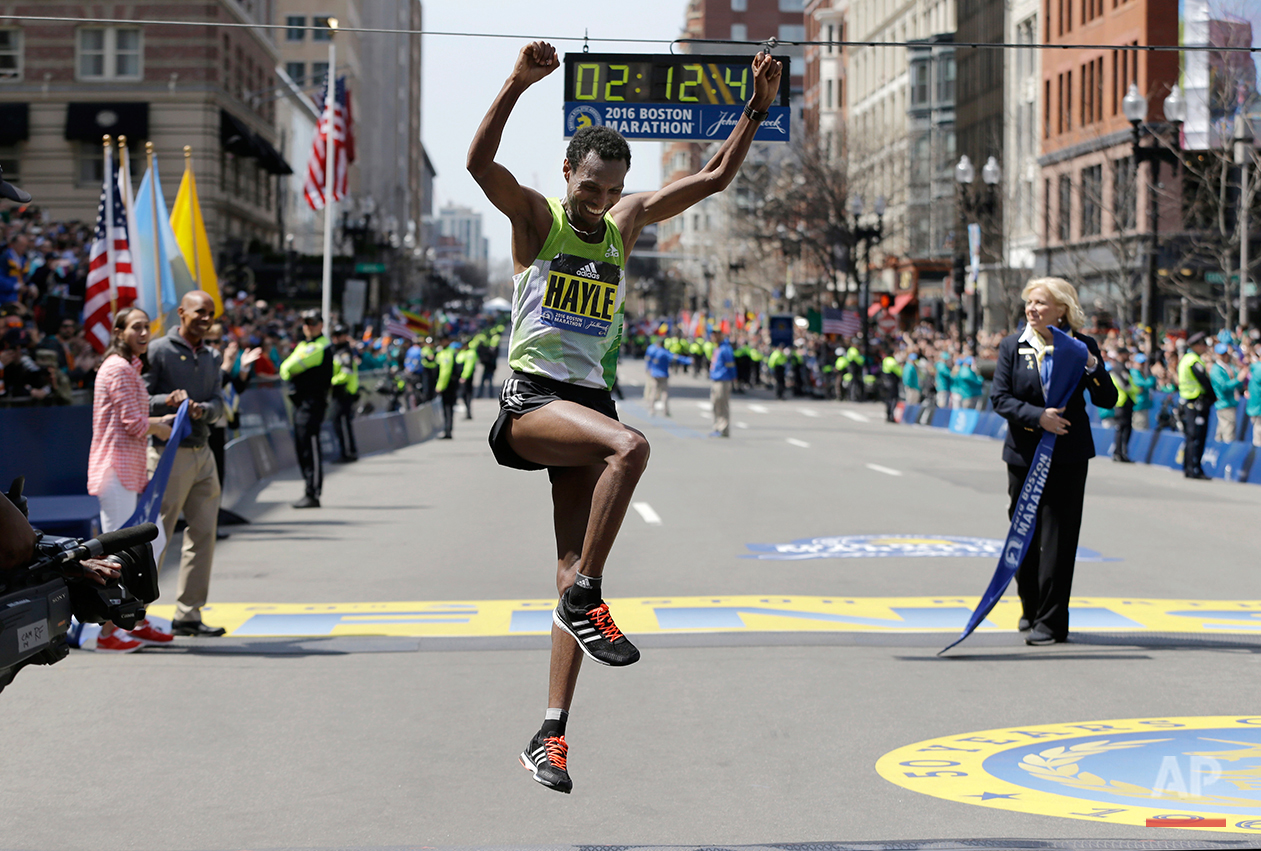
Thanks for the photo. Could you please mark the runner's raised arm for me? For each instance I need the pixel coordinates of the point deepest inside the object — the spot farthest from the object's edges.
(525, 208)
(634, 212)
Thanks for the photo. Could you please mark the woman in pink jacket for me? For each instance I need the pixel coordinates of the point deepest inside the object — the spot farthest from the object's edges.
(121, 426)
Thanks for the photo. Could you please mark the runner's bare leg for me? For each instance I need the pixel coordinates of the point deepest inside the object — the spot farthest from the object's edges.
(589, 502)
(572, 488)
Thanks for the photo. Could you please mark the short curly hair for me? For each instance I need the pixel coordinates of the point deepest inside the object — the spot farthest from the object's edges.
(605, 141)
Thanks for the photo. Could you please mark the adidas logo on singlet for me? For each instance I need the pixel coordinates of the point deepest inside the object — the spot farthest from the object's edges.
(589, 271)
(611, 252)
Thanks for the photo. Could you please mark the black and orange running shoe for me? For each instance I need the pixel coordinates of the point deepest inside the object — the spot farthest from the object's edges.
(593, 628)
(546, 756)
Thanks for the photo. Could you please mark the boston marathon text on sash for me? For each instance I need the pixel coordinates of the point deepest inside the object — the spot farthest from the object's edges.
(579, 304)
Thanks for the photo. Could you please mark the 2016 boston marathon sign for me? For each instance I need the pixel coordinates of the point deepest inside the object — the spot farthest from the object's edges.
(1196, 772)
(668, 96)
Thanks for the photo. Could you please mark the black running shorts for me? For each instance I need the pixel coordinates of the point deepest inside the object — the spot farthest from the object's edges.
(523, 393)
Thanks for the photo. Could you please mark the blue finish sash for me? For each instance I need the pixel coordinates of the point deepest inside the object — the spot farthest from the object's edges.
(149, 505)
(1070, 356)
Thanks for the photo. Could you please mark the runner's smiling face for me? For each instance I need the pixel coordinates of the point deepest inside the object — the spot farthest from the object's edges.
(592, 189)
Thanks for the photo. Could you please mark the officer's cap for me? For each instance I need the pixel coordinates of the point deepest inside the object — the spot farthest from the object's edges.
(1196, 338)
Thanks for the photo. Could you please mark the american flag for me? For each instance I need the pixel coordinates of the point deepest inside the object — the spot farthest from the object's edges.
(343, 148)
(846, 323)
(111, 281)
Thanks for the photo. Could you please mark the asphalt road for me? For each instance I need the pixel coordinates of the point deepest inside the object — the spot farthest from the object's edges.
(374, 742)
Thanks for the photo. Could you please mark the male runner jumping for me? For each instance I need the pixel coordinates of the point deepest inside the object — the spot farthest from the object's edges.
(556, 410)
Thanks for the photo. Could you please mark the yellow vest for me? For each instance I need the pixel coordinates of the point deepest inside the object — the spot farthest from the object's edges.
(1188, 385)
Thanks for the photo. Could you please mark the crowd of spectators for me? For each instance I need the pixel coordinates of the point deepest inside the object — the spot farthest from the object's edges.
(940, 369)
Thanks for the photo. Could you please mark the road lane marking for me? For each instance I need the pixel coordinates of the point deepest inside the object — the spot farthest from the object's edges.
(808, 412)
(705, 406)
(651, 517)
(856, 417)
(742, 425)
(795, 442)
(888, 471)
(759, 409)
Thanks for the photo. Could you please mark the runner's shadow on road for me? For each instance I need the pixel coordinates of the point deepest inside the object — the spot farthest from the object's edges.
(296, 647)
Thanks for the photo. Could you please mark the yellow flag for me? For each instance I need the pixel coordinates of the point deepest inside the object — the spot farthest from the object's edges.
(190, 233)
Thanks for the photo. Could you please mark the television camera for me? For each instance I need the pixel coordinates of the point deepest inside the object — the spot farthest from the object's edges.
(44, 580)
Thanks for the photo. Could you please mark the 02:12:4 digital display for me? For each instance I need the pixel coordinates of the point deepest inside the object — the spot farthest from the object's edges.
(601, 80)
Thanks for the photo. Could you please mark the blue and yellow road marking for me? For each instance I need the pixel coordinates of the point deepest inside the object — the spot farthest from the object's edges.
(739, 614)
(1176, 769)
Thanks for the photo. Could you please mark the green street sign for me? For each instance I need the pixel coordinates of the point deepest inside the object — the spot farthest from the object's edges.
(1219, 278)
(369, 268)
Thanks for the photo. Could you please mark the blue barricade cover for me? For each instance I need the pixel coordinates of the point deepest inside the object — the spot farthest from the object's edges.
(1140, 445)
(910, 413)
(1168, 450)
(47, 445)
(989, 423)
(941, 417)
(1104, 440)
(1003, 428)
(1093, 413)
(1211, 425)
(963, 421)
(1224, 460)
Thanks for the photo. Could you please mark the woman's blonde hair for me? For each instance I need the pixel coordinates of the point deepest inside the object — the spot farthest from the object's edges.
(1062, 293)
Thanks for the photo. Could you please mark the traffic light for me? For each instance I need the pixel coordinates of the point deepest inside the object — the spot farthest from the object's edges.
(886, 301)
(959, 274)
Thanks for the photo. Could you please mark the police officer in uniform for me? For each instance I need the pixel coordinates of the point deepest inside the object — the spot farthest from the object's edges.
(1196, 391)
(309, 369)
(891, 382)
(1123, 413)
(447, 385)
(345, 391)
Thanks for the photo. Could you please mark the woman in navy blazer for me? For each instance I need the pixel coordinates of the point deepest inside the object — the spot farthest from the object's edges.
(1045, 577)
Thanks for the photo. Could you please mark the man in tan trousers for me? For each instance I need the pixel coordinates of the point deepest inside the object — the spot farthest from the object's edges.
(182, 367)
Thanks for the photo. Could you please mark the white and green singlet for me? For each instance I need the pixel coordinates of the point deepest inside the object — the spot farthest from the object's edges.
(567, 307)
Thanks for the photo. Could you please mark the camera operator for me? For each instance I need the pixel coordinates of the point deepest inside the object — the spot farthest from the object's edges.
(182, 367)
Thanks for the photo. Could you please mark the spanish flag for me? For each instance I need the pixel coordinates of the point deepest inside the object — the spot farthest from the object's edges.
(190, 233)
(416, 321)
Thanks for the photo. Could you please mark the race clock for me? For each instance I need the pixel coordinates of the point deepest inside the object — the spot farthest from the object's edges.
(694, 97)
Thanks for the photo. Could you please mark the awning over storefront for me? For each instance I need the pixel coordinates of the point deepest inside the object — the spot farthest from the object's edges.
(238, 139)
(15, 123)
(88, 122)
(900, 301)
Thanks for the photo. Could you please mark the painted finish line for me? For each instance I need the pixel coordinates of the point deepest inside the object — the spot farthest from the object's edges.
(647, 616)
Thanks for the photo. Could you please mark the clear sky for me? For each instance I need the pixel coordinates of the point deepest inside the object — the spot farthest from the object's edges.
(462, 76)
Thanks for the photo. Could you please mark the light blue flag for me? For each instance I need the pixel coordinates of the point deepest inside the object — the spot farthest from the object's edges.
(1069, 359)
(149, 505)
(151, 253)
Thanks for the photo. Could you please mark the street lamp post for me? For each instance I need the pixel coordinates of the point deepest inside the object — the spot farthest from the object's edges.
(969, 206)
(1134, 105)
(1243, 158)
(867, 236)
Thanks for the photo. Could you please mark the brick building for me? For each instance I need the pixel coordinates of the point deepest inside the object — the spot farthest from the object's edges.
(1093, 221)
(173, 85)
